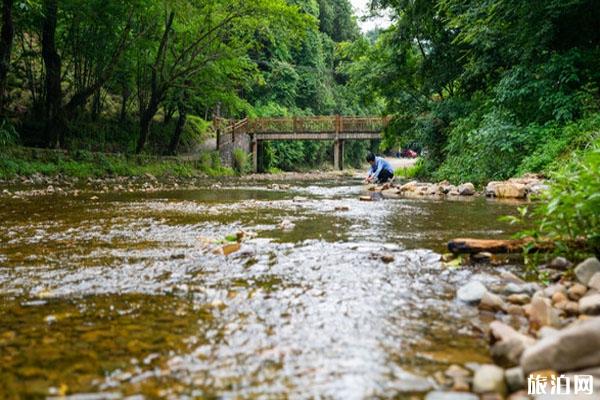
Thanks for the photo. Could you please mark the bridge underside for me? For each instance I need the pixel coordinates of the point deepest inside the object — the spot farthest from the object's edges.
(337, 138)
(317, 136)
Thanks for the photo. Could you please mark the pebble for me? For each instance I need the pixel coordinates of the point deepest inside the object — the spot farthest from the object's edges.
(489, 378)
(387, 258)
(520, 299)
(576, 291)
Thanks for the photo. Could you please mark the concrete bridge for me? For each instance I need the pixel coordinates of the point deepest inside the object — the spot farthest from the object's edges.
(248, 133)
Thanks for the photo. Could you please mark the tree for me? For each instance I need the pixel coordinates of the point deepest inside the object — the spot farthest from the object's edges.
(7, 34)
(210, 32)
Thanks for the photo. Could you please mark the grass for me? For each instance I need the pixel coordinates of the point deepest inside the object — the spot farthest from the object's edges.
(81, 164)
(410, 172)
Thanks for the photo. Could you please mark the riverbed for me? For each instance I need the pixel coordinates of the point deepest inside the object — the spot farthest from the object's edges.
(116, 294)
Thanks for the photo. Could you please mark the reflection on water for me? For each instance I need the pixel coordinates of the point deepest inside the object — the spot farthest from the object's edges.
(116, 295)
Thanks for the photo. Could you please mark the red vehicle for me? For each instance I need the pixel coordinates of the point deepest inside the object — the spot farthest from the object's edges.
(408, 153)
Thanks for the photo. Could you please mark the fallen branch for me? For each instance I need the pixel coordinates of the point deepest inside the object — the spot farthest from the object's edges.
(472, 246)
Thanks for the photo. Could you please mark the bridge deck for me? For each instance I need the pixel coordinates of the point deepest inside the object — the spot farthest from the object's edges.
(316, 136)
(306, 128)
(335, 128)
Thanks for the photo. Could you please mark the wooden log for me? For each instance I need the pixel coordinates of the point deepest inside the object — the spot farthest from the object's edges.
(472, 246)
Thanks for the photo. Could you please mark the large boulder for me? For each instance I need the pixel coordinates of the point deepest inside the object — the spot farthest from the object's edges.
(472, 292)
(466, 189)
(506, 190)
(587, 269)
(575, 347)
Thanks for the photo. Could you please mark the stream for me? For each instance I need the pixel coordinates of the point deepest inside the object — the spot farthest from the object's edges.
(110, 295)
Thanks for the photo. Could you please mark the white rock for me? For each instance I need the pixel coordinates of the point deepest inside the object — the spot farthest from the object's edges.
(472, 292)
(489, 378)
(438, 395)
(587, 269)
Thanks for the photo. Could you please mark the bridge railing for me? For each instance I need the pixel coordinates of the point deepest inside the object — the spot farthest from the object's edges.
(319, 124)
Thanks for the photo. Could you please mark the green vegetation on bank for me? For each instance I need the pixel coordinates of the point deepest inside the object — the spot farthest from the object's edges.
(569, 215)
(159, 71)
(489, 89)
(83, 164)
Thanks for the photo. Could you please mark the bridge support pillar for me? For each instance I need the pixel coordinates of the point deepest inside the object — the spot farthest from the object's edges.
(257, 156)
(254, 155)
(338, 154)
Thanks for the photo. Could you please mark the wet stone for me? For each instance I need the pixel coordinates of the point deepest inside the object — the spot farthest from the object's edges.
(439, 395)
(472, 292)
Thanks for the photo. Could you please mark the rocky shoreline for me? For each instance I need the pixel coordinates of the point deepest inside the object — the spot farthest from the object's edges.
(526, 187)
(548, 333)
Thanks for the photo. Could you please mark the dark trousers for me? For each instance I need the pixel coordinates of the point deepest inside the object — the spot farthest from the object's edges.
(384, 176)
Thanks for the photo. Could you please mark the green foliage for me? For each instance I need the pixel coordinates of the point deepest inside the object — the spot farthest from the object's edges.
(488, 89)
(241, 162)
(572, 211)
(495, 147)
(8, 134)
(411, 172)
(83, 164)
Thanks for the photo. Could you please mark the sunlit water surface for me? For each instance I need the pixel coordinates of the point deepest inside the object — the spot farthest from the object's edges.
(117, 296)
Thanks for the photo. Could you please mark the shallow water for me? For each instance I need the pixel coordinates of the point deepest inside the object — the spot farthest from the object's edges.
(117, 294)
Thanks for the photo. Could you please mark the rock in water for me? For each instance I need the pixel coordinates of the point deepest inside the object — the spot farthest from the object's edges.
(472, 292)
(506, 190)
(466, 189)
(491, 302)
(489, 379)
(590, 305)
(586, 269)
(227, 249)
(439, 395)
(570, 349)
(387, 258)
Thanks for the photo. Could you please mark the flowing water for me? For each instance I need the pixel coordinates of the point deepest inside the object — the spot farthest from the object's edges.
(116, 294)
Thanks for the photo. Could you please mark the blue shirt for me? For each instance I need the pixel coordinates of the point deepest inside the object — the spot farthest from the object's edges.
(379, 165)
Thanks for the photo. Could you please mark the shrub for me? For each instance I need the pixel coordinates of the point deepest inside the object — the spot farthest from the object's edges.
(572, 211)
(241, 164)
(8, 134)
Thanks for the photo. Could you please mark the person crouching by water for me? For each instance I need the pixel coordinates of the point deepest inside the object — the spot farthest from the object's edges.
(381, 171)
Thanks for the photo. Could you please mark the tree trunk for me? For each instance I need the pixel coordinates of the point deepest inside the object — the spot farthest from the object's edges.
(6, 42)
(53, 64)
(125, 99)
(145, 120)
(178, 131)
